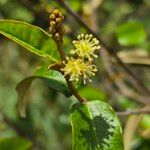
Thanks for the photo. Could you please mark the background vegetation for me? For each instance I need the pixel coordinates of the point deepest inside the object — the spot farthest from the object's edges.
(124, 26)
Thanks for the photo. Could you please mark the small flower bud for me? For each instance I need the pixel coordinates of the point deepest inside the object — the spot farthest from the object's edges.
(52, 30)
(56, 12)
(52, 23)
(56, 27)
(52, 17)
(58, 20)
(57, 36)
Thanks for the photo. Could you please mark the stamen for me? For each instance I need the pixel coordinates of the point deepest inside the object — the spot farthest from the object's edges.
(78, 68)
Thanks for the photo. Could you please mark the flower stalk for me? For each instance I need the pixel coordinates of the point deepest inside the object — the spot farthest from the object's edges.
(80, 64)
(57, 30)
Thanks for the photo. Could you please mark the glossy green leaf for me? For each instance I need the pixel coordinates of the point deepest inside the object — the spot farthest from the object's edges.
(31, 37)
(131, 33)
(95, 126)
(14, 144)
(96, 93)
(52, 79)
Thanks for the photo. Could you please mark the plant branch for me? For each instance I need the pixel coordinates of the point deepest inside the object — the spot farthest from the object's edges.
(118, 78)
(111, 51)
(57, 30)
(74, 91)
(134, 112)
(69, 83)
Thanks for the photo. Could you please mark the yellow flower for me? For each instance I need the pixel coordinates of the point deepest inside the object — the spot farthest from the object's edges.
(77, 68)
(85, 46)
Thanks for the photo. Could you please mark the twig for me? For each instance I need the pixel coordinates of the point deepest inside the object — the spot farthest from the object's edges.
(117, 77)
(56, 29)
(111, 51)
(69, 83)
(112, 72)
(134, 112)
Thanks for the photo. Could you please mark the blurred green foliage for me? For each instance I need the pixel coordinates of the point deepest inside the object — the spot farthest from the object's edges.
(14, 144)
(131, 33)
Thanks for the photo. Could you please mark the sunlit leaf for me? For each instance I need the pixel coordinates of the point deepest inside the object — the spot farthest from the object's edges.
(31, 37)
(95, 126)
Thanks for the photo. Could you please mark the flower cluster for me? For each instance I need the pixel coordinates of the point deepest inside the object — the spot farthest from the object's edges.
(85, 46)
(56, 27)
(78, 67)
(82, 66)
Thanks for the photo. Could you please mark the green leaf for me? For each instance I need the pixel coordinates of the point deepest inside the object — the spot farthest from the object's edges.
(95, 126)
(31, 37)
(131, 33)
(15, 144)
(52, 79)
(96, 93)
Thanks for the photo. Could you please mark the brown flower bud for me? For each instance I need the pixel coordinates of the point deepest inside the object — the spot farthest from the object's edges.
(56, 12)
(52, 23)
(58, 20)
(56, 27)
(52, 30)
(57, 36)
(52, 17)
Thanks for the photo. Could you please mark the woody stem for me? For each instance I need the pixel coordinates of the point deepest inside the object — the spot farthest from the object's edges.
(67, 77)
